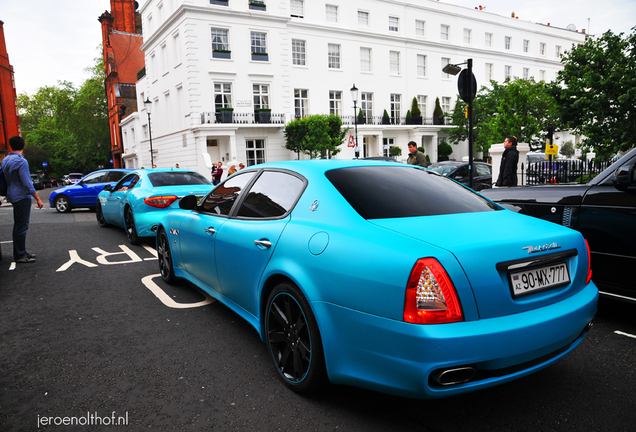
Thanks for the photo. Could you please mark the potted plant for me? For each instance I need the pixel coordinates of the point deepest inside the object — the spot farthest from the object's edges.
(264, 115)
(416, 113)
(385, 118)
(438, 113)
(395, 151)
(257, 5)
(361, 118)
(226, 115)
(221, 53)
(408, 118)
(260, 56)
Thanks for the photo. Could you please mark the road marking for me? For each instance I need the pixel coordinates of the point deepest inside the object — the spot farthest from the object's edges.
(165, 298)
(625, 334)
(152, 251)
(12, 266)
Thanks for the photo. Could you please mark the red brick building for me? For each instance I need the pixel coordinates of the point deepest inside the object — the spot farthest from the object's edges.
(123, 59)
(9, 120)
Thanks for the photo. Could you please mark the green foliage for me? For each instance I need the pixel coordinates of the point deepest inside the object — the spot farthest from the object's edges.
(67, 127)
(408, 114)
(444, 149)
(316, 136)
(438, 112)
(567, 149)
(522, 108)
(395, 151)
(415, 108)
(360, 113)
(596, 92)
(385, 114)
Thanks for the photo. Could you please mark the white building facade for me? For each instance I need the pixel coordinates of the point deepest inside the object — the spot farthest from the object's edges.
(225, 76)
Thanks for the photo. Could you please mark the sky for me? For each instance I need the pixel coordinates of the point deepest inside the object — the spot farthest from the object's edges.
(51, 41)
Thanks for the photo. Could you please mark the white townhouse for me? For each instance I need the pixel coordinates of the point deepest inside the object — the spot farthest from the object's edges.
(225, 76)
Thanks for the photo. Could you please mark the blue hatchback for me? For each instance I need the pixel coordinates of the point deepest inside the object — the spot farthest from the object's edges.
(83, 194)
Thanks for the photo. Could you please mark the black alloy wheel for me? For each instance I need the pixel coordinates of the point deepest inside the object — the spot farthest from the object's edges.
(131, 231)
(293, 340)
(165, 257)
(62, 204)
(99, 214)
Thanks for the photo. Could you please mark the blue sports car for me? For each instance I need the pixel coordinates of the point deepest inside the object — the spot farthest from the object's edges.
(140, 199)
(385, 276)
(83, 193)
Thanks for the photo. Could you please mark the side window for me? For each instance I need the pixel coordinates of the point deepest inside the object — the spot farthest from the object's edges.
(273, 195)
(461, 172)
(95, 178)
(482, 170)
(126, 183)
(223, 197)
(114, 176)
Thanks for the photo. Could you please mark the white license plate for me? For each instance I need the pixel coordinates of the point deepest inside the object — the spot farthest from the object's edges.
(528, 281)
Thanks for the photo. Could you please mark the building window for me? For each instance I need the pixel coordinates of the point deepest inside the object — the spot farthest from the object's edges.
(542, 75)
(445, 61)
(467, 35)
(366, 104)
(542, 48)
(255, 151)
(507, 42)
(298, 52)
(257, 5)
(488, 41)
(363, 18)
(526, 45)
(335, 102)
(220, 43)
(258, 45)
(446, 104)
(526, 73)
(176, 49)
(261, 96)
(507, 72)
(444, 32)
(420, 28)
(301, 103)
(387, 143)
(332, 13)
(222, 95)
(365, 59)
(489, 67)
(394, 24)
(421, 65)
(396, 100)
(394, 57)
(557, 50)
(296, 8)
(334, 56)
(421, 102)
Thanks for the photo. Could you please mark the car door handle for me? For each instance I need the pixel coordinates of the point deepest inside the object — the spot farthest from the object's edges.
(264, 243)
(210, 230)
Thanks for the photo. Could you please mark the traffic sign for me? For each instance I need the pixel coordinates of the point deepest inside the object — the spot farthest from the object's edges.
(552, 149)
(351, 142)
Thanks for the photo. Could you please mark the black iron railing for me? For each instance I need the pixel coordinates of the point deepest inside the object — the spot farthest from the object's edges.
(562, 171)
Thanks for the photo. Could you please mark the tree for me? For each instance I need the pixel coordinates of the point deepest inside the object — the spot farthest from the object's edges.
(316, 136)
(596, 92)
(444, 150)
(567, 149)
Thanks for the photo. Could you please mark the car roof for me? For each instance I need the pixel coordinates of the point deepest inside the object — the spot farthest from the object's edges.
(315, 167)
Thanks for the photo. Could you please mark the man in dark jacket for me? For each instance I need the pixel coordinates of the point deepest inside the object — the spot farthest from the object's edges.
(509, 161)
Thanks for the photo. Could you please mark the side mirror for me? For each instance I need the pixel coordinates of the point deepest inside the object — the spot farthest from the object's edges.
(623, 177)
(188, 202)
(108, 188)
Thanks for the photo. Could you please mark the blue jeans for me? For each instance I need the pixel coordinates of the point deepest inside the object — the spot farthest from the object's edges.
(21, 217)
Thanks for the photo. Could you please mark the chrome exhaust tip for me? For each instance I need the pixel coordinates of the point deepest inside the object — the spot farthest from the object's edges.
(589, 326)
(453, 376)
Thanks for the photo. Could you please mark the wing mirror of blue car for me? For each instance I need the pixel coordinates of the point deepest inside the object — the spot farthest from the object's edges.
(188, 202)
(108, 188)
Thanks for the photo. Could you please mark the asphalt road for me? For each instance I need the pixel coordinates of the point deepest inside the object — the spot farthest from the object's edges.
(86, 334)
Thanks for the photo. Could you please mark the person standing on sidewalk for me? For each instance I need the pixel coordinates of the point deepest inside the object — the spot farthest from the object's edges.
(19, 192)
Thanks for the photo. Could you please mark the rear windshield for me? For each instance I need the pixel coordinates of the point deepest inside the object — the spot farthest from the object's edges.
(75, 176)
(378, 192)
(176, 178)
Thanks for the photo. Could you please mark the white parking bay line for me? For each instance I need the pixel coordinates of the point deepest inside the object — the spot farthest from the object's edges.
(165, 298)
(625, 334)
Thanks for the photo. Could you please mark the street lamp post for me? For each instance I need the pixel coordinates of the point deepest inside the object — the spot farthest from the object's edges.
(148, 105)
(354, 96)
(467, 86)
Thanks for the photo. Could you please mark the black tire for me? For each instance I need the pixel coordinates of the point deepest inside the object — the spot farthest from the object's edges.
(164, 253)
(62, 204)
(131, 231)
(99, 214)
(293, 340)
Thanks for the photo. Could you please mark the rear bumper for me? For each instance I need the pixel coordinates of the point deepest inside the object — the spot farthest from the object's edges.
(399, 358)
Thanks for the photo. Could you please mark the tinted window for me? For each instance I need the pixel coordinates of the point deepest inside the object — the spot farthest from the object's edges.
(461, 172)
(445, 169)
(176, 178)
(223, 197)
(126, 183)
(273, 195)
(94, 178)
(114, 176)
(394, 192)
(482, 170)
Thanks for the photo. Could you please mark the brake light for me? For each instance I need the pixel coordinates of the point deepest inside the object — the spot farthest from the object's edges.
(161, 201)
(431, 297)
(589, 263)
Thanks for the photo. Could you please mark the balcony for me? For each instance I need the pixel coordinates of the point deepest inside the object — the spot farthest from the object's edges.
(222, 117)
(402, 121)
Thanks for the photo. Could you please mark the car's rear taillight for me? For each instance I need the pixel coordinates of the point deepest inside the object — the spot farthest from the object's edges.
(161, 201)
(431, 297)
(589, 263)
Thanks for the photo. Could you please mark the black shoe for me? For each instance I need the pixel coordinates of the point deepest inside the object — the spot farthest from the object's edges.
(30, 255)
(26, 259)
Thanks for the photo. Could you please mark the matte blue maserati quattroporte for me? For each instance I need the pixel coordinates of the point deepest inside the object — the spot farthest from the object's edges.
(384, 276)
